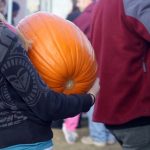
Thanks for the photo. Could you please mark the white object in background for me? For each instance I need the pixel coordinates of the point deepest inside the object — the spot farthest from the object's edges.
(9, 12)
(46, 5)
(61, 7)
(49, 5)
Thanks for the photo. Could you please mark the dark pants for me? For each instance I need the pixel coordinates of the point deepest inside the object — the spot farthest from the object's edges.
(134, 138)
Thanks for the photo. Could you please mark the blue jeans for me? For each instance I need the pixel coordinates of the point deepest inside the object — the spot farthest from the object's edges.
(47, 145)
(98, 131)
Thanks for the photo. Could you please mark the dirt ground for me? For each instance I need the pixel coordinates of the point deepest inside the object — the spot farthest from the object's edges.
(60, 143)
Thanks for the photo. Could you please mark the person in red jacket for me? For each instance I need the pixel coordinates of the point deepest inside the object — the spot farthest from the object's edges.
(121, 39)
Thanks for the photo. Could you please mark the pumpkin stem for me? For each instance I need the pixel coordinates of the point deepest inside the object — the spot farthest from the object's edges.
(69, 85)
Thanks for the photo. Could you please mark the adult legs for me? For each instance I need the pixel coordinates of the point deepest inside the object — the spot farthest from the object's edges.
(134, 138)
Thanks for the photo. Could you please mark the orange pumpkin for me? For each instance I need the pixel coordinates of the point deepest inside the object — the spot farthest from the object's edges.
(60, 52)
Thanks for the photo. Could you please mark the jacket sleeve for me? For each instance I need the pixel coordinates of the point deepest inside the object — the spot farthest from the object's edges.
(21, 74)
(138, 17)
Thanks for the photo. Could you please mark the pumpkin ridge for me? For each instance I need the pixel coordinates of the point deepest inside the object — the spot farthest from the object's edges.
(78, 60)
(46, 60)
(67, 81)
(70, 75)
(58, 48)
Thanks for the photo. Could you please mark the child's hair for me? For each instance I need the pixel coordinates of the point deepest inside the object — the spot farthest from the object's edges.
(26, 43)
(2, 18)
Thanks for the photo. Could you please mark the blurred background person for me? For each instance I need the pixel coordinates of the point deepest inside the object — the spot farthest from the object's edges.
(75, 12)
(2, 7)
(83, 21)
(83, 4)
(15, 11)
(99, 135)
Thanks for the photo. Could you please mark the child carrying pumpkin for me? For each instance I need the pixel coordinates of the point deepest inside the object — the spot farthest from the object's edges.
(27, 104)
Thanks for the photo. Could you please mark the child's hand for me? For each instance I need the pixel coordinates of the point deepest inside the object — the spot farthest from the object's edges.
(95, 88)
